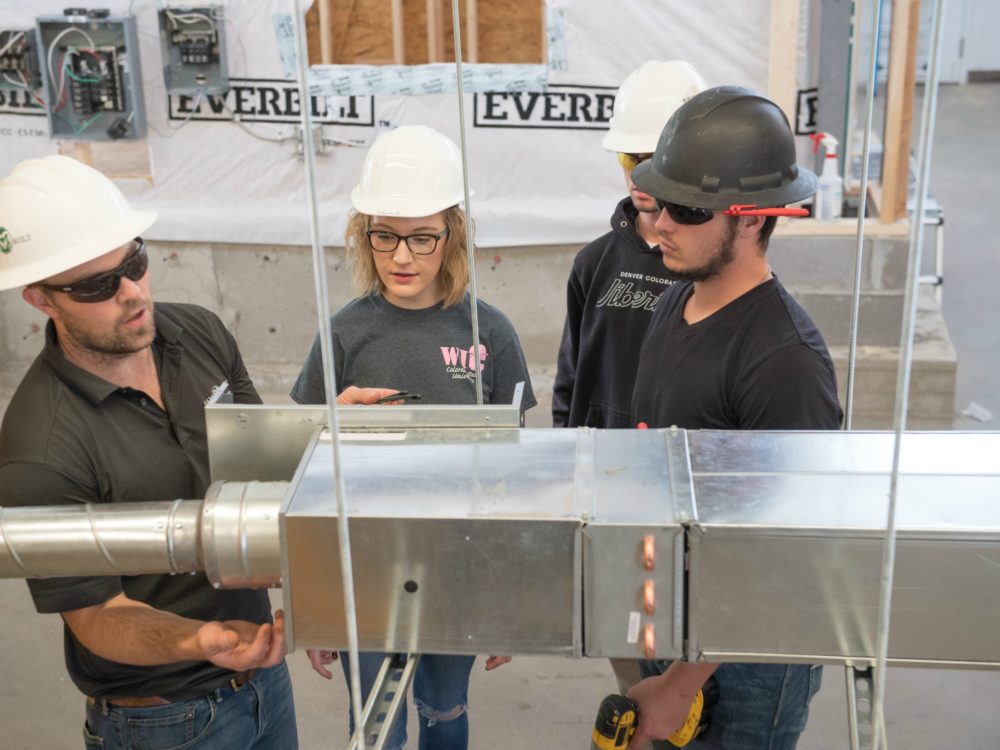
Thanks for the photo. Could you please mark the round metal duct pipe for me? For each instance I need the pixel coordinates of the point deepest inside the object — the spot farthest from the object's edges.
(233, 535)
(241, 538)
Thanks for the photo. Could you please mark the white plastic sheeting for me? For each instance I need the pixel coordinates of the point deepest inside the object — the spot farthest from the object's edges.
(535, 162)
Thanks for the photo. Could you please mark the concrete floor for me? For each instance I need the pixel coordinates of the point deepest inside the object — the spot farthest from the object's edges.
(546, 702)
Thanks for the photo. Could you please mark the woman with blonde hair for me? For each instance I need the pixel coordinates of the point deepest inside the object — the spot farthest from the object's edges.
(411, 330)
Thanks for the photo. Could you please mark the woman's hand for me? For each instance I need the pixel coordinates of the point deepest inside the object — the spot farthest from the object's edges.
(354, 395)
(319, 658)
(496, 661)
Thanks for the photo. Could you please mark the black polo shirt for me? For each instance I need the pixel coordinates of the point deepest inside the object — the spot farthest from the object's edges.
(71, 437)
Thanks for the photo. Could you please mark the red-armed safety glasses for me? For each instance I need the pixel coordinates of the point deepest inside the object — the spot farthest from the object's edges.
(690, 216)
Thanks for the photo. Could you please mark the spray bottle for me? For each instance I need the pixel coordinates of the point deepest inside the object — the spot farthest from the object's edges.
(830, 195)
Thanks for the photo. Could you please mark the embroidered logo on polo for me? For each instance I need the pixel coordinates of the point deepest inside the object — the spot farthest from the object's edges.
(460, 363)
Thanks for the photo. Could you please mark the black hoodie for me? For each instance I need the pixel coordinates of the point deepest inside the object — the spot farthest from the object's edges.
(610, 297)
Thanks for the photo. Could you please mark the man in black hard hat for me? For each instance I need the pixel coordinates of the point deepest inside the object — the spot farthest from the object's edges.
(728, 348)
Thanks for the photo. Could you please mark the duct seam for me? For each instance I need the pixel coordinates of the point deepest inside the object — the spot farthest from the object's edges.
(10, 545)
(171, 542)
(97, 537)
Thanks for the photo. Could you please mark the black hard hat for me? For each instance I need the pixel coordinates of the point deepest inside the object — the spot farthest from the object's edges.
(724, 146)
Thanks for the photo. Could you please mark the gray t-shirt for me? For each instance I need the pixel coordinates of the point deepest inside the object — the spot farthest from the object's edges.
(429, 351)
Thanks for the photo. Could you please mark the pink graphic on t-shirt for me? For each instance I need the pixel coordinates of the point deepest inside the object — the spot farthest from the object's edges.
(464, 358)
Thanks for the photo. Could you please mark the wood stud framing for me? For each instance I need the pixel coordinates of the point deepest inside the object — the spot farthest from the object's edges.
(326, 32)
(398, 33)
(783, 62)
(899, 94)
(889, 196)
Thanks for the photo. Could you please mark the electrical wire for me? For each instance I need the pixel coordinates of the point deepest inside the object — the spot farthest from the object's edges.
(10, 42)
(41, 102)
(280, 137)
(80, 79)
(93, 53)
(60, 101)
(185, 121)
(53, 46)
(23, 84)
(239, 41)
(190, 18)
(86, 124)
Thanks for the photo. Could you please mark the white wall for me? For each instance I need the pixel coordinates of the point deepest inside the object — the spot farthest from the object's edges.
(982, 29)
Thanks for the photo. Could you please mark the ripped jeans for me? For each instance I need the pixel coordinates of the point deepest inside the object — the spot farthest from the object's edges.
(440, 695)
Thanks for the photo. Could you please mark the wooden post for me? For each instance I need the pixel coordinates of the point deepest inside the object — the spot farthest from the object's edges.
(435, 31)
(899, 92)
(783, 62)
(326, 32)
(398, 33)
(82, 152)
(545, 33)
(472, 31)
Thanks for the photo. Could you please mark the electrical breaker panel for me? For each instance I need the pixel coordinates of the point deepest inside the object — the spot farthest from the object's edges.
(192, 40)
(19, 60)
(91, 74)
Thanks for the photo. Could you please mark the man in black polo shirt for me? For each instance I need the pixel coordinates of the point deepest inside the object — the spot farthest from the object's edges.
(111, 411)
(728, 348)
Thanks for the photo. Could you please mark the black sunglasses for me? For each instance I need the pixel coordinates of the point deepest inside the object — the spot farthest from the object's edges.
(685, 214)
(104, 286)
(694, 216)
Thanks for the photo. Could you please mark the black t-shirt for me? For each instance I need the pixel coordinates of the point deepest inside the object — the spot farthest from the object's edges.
(759, 363)
(71, 437)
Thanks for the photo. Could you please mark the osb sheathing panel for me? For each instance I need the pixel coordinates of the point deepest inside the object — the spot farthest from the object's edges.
(510, 31)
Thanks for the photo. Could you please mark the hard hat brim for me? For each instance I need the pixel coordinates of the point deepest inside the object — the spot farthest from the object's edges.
(72, 256)
(629, 144)
(651, 182)
(403, 206)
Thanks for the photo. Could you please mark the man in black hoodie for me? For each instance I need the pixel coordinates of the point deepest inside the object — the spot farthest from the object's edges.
(617, 279)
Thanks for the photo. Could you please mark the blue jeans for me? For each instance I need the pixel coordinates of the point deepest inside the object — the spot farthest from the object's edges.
(260, 715)
(760, 706)
(440, 695)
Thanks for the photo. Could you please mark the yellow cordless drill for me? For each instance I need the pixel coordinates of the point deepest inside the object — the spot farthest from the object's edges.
(618, 717)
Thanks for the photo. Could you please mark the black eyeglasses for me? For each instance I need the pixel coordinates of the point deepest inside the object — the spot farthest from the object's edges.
(104, 286)
(382, 241)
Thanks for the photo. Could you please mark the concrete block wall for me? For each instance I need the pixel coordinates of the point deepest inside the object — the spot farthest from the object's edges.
(266, 296)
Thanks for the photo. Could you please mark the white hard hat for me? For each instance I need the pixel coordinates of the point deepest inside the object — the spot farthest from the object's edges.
(412, 171)
(56, 213)
(646, 100)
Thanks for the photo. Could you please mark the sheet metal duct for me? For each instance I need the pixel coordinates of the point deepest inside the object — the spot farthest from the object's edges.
(765, 546)
(785, 556)
(473, 541)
